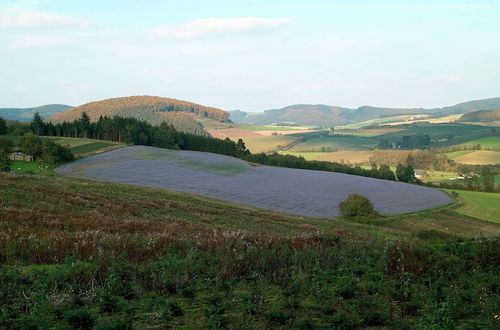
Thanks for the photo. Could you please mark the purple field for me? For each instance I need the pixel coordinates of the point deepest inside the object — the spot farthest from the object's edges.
(301, 192)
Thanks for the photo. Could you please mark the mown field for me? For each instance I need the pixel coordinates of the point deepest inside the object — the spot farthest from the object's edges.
(353, 157)
(117, 256)
(481, 157)
(492, 142)
(335, 143)
(480, 205)
(257, 144)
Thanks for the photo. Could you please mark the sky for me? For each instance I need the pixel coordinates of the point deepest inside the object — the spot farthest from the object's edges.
(251, 55)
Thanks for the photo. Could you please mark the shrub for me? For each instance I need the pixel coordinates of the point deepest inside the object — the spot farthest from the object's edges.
(357, 207)
(80, 319)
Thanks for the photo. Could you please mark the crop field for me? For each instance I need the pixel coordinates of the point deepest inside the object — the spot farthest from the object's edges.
(480, 205)
(257, 144)
(492, 142)
(373, 122)
(335, 143)
(437, 120)
(258, 128)
(368, 132)
(232, 133)
(353, 157)
(479, 157)
(301, 192)
(455, 154)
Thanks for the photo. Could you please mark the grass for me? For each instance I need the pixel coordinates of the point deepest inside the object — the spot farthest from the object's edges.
(374, 122)
(335, 143)
(492, 142)
(258, 144)
(76, 253)
(455, 154)
(480, 157)
(92, 147)
(22, 167)
(353, 157)
(256, 128)
(480, 205)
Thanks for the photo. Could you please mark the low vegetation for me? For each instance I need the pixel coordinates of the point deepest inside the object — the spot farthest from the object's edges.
(116, 256)
(357, 207)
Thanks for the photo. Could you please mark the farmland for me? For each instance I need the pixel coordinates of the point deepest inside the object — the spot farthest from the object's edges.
(302, 192)
(335, 143)
(480, 205)
(482, 157)
(257, 144)
(121, 256)
(353, 157)
(492, 143)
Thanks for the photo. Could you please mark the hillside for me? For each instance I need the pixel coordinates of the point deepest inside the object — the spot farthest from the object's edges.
(26, 114)
(152, 109)
(326, 115)
(481, 116)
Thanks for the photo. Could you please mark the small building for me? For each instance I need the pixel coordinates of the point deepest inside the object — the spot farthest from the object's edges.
(18, 155)
(419, 174)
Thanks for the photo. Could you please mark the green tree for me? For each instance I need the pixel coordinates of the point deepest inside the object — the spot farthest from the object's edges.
(5, 162)
(487, 179)
(400, 171)
(241, 149)
(31, 144)
(56, 153)
(5, 145)
(385, 173)
(3, 126)
(37, 125)
(357, 207)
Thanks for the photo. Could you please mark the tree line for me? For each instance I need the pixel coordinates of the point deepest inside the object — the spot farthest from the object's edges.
(134, 131)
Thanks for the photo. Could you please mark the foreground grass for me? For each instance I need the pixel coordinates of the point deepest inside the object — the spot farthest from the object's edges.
(77, 254)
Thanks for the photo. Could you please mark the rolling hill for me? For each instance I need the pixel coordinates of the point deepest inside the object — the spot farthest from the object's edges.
(185, 116)
(26, 114)
(481, 116)
(326, 115)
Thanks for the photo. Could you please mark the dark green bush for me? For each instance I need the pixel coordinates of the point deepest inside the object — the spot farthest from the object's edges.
(357, 207)
(80, 319)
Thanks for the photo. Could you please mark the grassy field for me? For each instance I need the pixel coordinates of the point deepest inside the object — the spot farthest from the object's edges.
(492, 142)
(480, 157)
(258, 144)
(353, 157)
(335, 143)
(116, 256)
(455, 154)
(256, 128)
(480, 205)
(374, 122)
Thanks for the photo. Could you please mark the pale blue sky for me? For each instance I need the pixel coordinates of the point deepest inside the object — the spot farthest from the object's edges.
(250, 54)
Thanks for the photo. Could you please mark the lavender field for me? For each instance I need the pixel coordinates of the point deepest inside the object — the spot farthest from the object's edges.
(301, 192)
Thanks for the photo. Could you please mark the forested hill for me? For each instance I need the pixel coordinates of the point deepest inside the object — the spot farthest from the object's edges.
(152, 109)
(327, 115)
(26, 114)
(481, 116)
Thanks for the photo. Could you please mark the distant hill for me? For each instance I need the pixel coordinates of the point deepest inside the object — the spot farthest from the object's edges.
(153, 109)
(326, 115)
(26, 114)
(481, 116)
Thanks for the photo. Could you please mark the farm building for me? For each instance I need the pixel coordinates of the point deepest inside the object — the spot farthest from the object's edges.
(18, 155)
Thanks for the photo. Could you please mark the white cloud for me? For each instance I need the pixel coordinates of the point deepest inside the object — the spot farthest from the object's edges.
(214, 27)
(41, 19)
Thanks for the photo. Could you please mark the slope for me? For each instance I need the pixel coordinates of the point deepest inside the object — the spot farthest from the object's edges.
(26, 114)
(152, 109)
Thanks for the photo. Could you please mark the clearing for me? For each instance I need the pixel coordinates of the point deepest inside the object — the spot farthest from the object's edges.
(295, 191)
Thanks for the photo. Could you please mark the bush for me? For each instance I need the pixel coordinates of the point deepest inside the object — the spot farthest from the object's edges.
(357, 207)
(80, 319)
(55, 153)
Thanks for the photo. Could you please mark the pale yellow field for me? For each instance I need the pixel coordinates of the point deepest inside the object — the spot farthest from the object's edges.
(348, 156)
(479, 157)
(270, 133)
(232, 133)
(447, 119)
